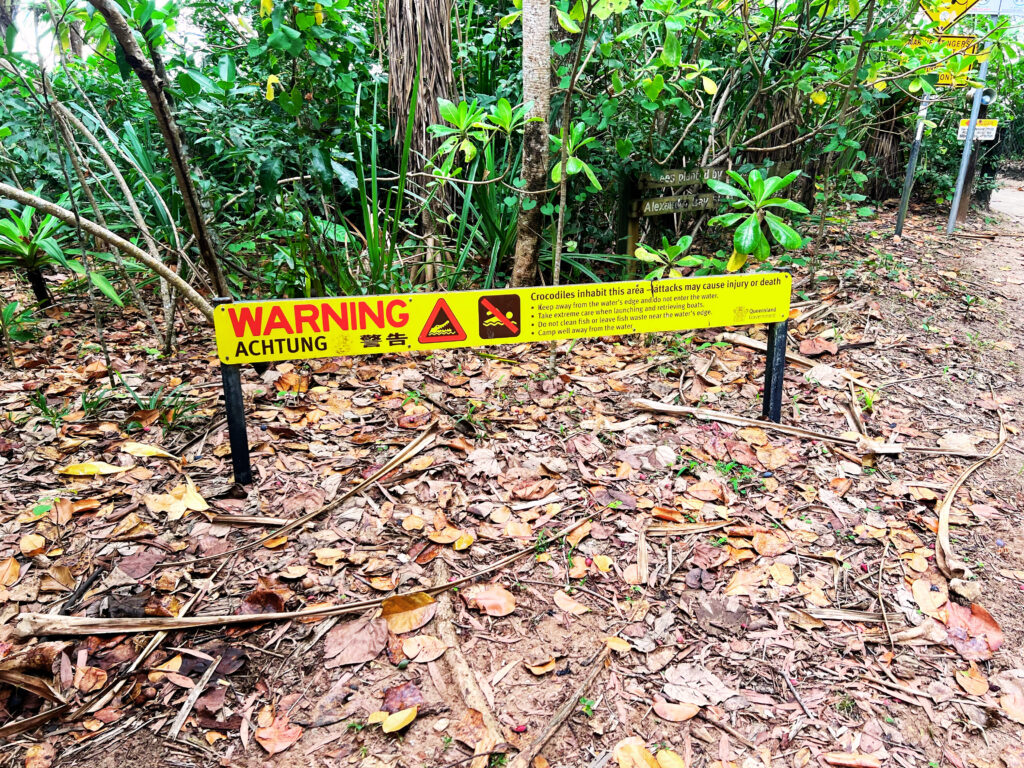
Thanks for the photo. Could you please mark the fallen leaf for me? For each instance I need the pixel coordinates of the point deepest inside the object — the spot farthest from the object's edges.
(92, 468)
(355, 642)
(1013, 705)
(669, 759)
(633, 753)
(40, 755)
(674, 713)
(746, 582)
(782, 574)
(377, 717)
(10, 571)
(89, 678)
(141, 449)
(492, 599)
(543, 668)
(465, 541)
(771, 544)
(329, 556)
(851, 760)
(32, 545)
(279, 735)
(815, 346)
(929, 597)
(972, 680)
(575, 537)
(617, 644)
(603, 563)
(973, 631)
(402, 698)
(423, 648)
(405, 613)
(399, 720)
(570, 605)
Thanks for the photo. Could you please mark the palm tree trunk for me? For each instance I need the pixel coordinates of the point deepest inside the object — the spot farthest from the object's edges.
(536, 92)
(39, 289)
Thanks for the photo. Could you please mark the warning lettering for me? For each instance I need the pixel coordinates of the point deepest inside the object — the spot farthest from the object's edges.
(303, 329)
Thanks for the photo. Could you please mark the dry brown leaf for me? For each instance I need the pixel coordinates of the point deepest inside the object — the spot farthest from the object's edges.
(851, 760)
(569, 605)
(575, 537)
(492, 599)
(414, 523)
(89, 678)
(1013, 705)
(973, 631)
(972, 680)
(405, 613)
(448, 535)
(355, 642)
(771, 544)
(40, 755)
(674, 713)
(423, 648)
(329, 556)
(617, 644)
(279, 735)
(746, 582)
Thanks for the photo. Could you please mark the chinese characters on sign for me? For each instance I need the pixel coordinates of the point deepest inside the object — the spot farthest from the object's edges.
(303, 329)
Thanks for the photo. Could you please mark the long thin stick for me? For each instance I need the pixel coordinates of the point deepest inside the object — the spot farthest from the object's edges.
(39, 624)
(193, 697)
(525, 758)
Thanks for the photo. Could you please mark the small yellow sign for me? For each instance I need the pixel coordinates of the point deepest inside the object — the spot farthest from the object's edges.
(961, 45)
(946, 12)
(304, 329)
(984, 130)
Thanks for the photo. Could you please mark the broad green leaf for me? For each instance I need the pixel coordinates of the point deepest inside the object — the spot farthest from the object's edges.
(653, 86)
(672, 51)
(745, 237)
(727, 189)
(785, 235)
(106, 288)
(271, 171)
(567, 22)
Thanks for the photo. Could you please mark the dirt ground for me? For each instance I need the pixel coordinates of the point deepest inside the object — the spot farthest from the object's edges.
(776, 596)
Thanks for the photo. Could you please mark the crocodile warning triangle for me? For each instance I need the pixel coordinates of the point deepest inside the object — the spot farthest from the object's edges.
(442, 325)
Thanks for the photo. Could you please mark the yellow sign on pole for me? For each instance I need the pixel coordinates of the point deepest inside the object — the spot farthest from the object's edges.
(947, 12)
(961, 45)
(303, 329)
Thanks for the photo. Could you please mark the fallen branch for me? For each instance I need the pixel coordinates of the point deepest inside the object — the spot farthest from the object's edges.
(462, 673)
(28, 625)
(863, 444)
(944, 557)
(193, 697)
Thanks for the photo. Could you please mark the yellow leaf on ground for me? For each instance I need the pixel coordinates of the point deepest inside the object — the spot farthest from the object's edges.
(405, 613)
(465, 541)
(10, 570)
(92, 468)
(632, 753)
(603, 563)
(32, 545)
(782, 574)
(142, 449)
(275, 542)
(569, 605)
(414, 523)
(542, 668)
(669, 759)
(617, 644)
(579, 534)
(399, 720)
(377, 717)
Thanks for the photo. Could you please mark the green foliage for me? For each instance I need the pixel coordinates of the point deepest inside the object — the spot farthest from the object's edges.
(753, 198)
(26, 245)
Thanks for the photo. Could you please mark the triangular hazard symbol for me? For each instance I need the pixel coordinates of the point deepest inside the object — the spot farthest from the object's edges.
(441, 325)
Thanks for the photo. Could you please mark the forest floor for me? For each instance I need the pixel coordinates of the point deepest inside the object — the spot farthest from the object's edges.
(774, 598)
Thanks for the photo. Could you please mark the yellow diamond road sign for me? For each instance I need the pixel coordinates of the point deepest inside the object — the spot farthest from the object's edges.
(947, 11)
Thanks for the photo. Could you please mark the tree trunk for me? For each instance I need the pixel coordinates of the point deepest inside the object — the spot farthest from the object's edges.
(76, 39)
(8, 9)
(536, 92)
(153, 84)
(39, 289)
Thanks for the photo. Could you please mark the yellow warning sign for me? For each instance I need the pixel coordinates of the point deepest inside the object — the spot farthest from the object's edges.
(946, 12)
(303, 329)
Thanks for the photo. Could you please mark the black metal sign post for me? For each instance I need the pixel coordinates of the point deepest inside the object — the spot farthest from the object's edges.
(774, 371)
(238, 435)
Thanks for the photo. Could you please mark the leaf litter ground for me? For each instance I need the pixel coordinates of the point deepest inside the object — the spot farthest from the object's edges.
(738, 596)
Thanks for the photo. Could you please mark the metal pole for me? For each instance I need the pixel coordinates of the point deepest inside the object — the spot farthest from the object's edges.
(774, 371)
(915, 152)
(965, 160)
(234, 404)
